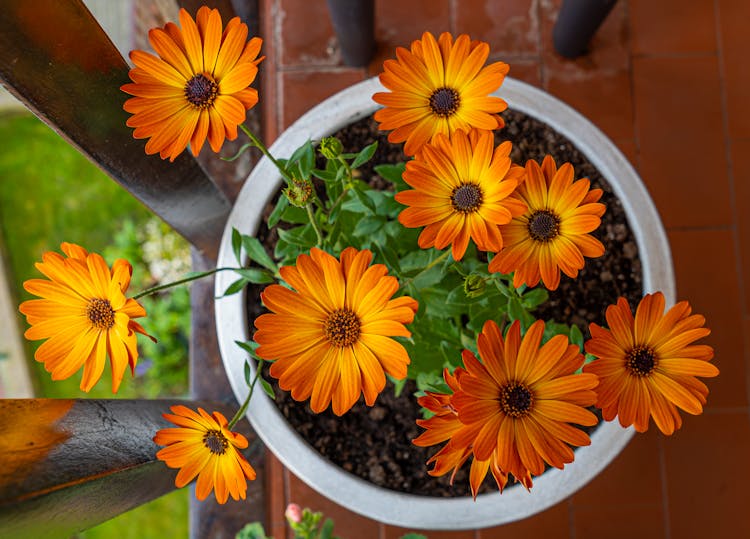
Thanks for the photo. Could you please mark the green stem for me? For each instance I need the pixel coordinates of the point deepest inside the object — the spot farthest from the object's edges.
(193, 277)
(258, 144)
(241, 412)
(314, 223)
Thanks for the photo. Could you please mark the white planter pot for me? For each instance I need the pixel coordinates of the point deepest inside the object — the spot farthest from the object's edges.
(388, 506)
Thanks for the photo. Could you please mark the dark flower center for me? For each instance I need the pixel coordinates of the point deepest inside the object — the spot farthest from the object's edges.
(215, 441)
(201, 91)
(444, 102)
(342, 328)
(101, 313)
(543, 225)
(516, 399)
(466, 198)
(640, 361)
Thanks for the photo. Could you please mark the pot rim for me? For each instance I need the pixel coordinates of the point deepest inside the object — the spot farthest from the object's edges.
(354, 493)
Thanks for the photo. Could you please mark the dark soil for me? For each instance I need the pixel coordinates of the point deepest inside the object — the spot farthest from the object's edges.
(374, 443)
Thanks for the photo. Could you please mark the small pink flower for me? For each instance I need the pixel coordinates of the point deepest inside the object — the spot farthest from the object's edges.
(293, 513)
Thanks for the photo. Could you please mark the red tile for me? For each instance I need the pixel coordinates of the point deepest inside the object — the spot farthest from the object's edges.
(346, 523)
(524, 70)
(304, 89)
(553, 523)
(672, 26)
(632, 479)
(510, 27)
(679, 129)
(594, 96)
(741, 176)
(707, 476)
(620, 522)
(399, 22)
(735, 42)
(629, 148)
(308, 37)
(706, 270)
(276, 501)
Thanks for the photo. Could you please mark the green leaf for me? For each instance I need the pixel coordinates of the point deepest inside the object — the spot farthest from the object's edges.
(239, 152)
(257, 253)
(237, 245)
(326, 531)
(275, 216)
(235, 287)
(267, 389)
(365, 155)
(534, 298)
(413, 535)
(393, 173)
(368, 225)
(389, 256)
(254, 530)
(248, 347)
(248, 374)
(398, 386)
(364, 200)
(302, 236)
(255, 275)
(576, 337)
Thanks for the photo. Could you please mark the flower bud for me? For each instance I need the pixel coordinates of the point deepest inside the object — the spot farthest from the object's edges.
(293, 513)
(331, 147)
(299, 192)
(474, 285)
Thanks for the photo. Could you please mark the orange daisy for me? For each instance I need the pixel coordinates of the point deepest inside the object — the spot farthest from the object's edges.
(197, 87)
(331, 335)
(553, 233)
(648, 365)
(462, 190)
(522, 398)
(445, 425)
(84, 315)
(439, 87)
(203, 445)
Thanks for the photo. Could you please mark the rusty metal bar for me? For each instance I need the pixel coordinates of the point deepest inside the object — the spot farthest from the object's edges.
(69, 464)
(58, 61)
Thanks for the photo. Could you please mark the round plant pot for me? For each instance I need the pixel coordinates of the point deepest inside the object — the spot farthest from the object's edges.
(396, 508)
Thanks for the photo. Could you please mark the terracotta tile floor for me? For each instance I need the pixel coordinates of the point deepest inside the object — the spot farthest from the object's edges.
(668, 82)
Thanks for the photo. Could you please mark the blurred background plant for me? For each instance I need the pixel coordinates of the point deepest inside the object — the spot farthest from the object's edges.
(50, 193)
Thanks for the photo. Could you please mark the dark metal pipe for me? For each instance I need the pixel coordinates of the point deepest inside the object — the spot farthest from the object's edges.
(577, 22)
(354, 24)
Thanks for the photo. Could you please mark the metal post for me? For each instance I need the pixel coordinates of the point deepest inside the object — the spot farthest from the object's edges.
(577, 22)
(354, 24)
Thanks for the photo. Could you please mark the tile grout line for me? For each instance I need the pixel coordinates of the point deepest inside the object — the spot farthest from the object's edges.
(732, 191)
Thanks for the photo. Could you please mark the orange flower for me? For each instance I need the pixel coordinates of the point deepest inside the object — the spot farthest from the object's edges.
(331, 335)
(552, 234)
(445, 425)
(647, 364)
(522, 398)
(462, 189)
(84, 315)
(439, 87)
(196, 88)
(203, 445)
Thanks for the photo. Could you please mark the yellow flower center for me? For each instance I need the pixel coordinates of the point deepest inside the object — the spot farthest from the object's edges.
(215, 441)
(543, 226)
(516, 400)
(201, 91)
(100, 313)
(640, 361)
(342, 328)
(466, 198)
(444, 102)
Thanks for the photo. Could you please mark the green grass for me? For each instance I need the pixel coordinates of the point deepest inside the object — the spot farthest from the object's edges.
(50, 193)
